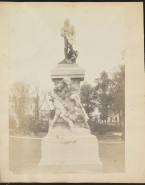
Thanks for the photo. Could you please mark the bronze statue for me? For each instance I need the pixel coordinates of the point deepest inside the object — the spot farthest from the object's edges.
(69, 33)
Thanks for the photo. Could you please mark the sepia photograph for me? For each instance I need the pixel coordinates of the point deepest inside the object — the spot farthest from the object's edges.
(67, 91)
(72, 92)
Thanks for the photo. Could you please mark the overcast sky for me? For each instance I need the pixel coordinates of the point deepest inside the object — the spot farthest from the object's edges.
(36, 45)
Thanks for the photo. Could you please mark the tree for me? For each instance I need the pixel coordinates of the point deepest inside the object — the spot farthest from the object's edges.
(36, 96)
(104, 95)
(118, 84)
(88, 98)
(39, 98)
(21, 96)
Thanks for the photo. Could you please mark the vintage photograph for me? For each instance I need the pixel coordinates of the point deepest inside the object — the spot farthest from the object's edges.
(67, 90)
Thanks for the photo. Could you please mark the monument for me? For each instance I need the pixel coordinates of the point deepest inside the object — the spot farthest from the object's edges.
(69, 147)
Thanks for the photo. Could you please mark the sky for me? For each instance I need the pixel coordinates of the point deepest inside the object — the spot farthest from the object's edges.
(35, 44)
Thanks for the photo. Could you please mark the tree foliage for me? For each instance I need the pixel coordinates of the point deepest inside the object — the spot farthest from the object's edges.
(104, 95)
(118, 82)
(111, 93)
(21, 96)
(88, 98)
(36, 97)
(108, 94)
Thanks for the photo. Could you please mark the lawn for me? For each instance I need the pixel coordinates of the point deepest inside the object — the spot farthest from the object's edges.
(25, 154)
(112, 156)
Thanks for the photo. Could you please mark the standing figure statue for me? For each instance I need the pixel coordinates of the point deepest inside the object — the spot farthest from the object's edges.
(69, 33)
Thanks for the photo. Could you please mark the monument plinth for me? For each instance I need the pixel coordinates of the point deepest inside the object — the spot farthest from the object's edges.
(69, 147)
(68, 70)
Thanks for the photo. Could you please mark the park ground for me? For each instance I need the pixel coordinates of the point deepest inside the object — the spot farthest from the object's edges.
(25, 153)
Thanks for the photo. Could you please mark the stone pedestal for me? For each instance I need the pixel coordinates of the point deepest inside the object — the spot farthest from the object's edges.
(62, 153)
(67, 70)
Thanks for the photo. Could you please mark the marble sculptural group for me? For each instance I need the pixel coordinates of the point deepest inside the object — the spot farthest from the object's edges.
(69, 147)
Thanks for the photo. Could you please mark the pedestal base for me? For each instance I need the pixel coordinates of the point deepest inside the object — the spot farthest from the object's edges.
(76, 157)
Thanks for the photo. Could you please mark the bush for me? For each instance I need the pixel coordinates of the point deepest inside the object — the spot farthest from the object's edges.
(44, 126)
(109, 128)
(28, 126)
(91, 124)
(32, 125)
(113, 128)
(102, 131)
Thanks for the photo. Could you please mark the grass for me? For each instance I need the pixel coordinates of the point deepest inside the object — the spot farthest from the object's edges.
(112, 156)
(109, 136)
(25, 154)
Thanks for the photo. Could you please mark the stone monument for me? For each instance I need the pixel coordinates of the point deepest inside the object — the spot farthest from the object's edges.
(69, 147)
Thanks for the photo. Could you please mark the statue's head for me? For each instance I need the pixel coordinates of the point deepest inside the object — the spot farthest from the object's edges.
(66, 22)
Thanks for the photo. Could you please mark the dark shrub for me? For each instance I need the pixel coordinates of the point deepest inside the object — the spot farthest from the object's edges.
(28, 125)
(44, 126)
(102, 131)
